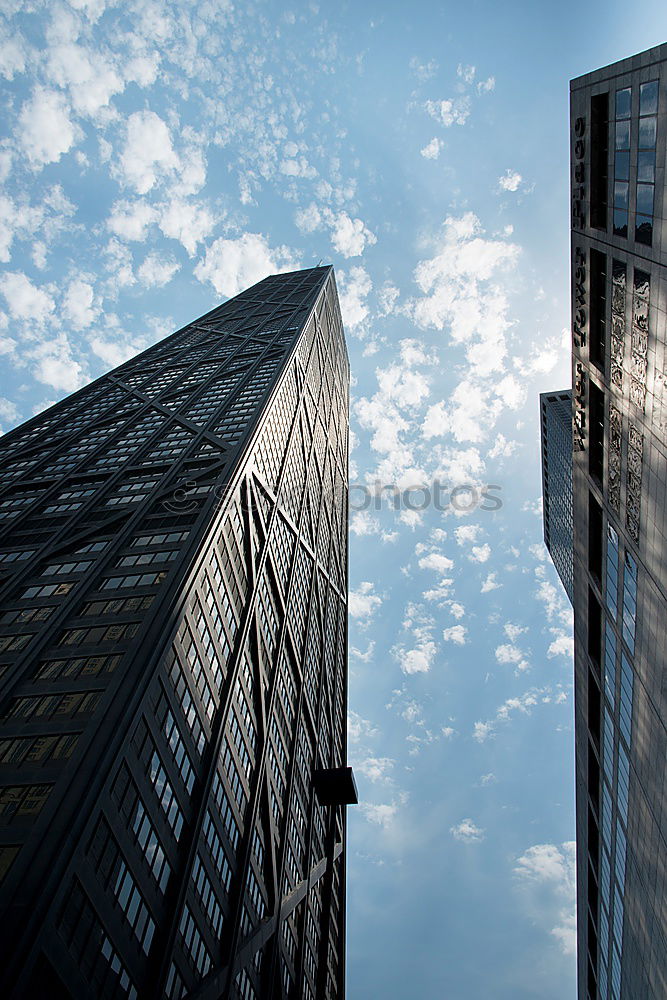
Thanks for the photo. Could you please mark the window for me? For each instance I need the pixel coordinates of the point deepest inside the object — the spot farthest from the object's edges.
(595, 538)
(629, 601)
(194, 943)
(598, 307)
(622, 161)
(596, 441)
(611, 590)
(22, 802)
(646, 142)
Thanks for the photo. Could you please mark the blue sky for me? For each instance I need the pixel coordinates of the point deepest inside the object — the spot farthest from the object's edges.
(158, 158)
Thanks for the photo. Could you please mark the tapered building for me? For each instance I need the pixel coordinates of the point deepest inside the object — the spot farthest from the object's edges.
(173, 675)
(619, 300)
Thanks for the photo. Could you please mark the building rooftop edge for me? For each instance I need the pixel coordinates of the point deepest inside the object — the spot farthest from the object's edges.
(657, 53)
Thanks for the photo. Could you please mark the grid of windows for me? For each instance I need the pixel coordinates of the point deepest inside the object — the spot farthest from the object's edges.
(209, 683)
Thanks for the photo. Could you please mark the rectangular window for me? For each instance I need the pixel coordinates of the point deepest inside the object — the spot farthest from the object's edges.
(598, 307)
(595, 537)
(596, 445)
(622, 161)
(629, 601)
(594, 628)
(611, 588)
(646, 143)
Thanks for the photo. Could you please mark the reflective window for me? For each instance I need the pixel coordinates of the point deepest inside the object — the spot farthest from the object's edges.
(623, 103)
(648, 123)
(648, 98)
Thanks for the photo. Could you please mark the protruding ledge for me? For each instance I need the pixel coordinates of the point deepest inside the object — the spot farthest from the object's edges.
(335, 786)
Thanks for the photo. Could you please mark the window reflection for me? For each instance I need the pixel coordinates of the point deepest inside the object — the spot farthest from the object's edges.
(648, 98)
(623, 103)
(622, 135)
(646, 166)
(620, 223)
(622, 170)
(647, 131)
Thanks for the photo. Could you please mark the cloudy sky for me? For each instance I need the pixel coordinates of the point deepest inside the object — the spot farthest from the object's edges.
(157, 160)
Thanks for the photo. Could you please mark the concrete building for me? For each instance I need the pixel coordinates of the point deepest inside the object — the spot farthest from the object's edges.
(173, 670)
(619, 295)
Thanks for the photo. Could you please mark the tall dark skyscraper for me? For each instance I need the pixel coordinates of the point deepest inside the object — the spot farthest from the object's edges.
(619, 286)
(173, 673)
(556, 437)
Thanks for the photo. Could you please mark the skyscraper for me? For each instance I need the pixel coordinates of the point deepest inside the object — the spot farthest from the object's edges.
(556, 437)
(173, 677)
(619, 284)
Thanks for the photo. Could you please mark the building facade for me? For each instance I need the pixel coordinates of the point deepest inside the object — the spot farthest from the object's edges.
(556, 438)
(619, 296)
(173, 674)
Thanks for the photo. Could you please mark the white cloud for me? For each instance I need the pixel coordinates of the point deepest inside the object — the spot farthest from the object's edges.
(455, 633)
(148, 152)
(375, 768)
(467, 832)
(77, 305)
(130, 220)
(436, 561)
(46, 130)
(54, 365)
(450, 111)
(547, 876)
(432, 149)
(563, 645)
(186, 221)
(514, 631)
(480, 553)
(382, 814)
(363, 602)
(510, 181)
(157, 270)
(26, 301)
(507, 653)
(359, 728)
(490, 584)
(482, 731)
(350, 237)
(362, 523)
(467, 533)
(90, 77)
(502, 448)
(354, 289)
(417, 660)
(232, 265)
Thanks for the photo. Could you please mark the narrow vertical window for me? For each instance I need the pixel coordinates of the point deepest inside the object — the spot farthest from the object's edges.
(648, 126)
(599, 157)
(622, 161)
(596, 447)
(598, 307)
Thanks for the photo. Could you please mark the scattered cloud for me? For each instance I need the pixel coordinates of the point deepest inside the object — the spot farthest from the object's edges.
(231, 265)
(363, 602)
(432, 149)
(455, 633)
(510, 181)
(467, 832)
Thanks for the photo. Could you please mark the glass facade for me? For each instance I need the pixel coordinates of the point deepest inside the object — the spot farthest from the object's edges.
(173, 664)
(620, 526)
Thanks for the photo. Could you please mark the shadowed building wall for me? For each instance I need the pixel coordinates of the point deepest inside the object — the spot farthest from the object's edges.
(173, 665)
